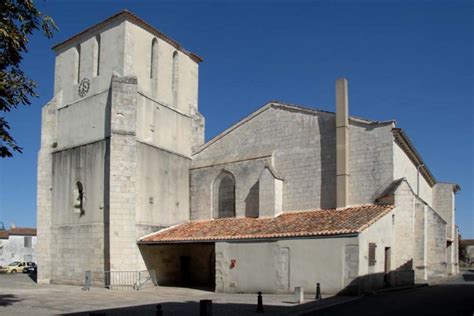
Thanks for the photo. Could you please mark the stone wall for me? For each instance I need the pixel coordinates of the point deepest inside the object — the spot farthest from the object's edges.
(421, 241)
(137, 63)
(280, 266)
(404, 235)
(77, 236)
(44, 196)
(436, 245)
(444, 205)
(403, 167)
(163, 187)
(370, 162)
(112, 47)
(300, 145)
(381, 233)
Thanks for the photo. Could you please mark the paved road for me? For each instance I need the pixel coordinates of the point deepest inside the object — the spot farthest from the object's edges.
(453, 298)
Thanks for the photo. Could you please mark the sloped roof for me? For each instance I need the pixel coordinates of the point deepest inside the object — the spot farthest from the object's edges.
(125, 14)
(466, 242)
(3, 234)
(288, 107)
(22, 231)
(291, 224)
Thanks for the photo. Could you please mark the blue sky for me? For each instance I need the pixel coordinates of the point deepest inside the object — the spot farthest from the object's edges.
(412, 61)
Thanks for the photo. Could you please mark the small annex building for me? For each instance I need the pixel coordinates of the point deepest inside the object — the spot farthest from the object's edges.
(288, 196)
(17, 244)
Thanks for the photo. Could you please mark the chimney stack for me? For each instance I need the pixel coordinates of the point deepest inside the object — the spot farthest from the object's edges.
(342, 143)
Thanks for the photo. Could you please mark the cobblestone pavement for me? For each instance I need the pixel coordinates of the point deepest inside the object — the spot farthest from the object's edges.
(19, 295)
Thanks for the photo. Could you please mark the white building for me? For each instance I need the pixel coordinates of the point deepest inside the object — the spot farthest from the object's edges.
(289, 196)
(17, 244)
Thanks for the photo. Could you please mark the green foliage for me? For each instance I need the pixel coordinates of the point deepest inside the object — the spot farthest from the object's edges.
(18, 20)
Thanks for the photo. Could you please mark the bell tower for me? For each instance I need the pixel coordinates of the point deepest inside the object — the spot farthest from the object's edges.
(116, 145)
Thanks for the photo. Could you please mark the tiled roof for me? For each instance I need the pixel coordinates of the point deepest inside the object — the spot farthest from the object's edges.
(291, 224)
(23, 231)
(3, 234)
(467, 242)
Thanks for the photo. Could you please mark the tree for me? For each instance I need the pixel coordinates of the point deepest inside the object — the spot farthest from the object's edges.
(18, 20)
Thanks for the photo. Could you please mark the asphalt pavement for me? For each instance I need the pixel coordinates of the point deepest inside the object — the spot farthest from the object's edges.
(453, 298)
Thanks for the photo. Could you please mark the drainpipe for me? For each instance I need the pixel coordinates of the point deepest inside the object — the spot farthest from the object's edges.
(418, 178)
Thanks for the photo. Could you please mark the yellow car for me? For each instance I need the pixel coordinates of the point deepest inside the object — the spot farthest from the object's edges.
(14, 267)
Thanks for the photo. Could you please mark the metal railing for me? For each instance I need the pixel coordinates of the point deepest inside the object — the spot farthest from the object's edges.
(120, 280)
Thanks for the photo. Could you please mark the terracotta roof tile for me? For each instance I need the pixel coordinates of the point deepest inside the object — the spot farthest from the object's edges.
(23, 231)
(3, 234)
(291, 224)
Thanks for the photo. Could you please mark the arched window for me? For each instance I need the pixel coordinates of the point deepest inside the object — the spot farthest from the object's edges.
(97, 55)
(174, 83)
(78, 63)
(224, 195)
(79, 198)
(154, 58)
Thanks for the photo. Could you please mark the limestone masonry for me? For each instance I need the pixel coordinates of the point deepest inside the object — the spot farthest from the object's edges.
(126, 182)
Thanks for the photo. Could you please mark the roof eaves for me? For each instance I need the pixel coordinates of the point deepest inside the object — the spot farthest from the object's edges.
(127, 15)
(342, 232)
(401, 138)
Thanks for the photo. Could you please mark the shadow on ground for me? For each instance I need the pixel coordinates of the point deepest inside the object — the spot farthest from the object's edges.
(8, 299)
(437, 300)
(192, 308)
(468, 277)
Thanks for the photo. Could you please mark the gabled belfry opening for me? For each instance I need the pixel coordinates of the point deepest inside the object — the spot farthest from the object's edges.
(182, 264)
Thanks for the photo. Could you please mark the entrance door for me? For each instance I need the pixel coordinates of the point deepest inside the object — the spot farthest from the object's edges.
(185, 269)
(387, 267)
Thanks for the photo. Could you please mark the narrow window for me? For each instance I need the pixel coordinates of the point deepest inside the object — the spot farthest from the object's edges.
(78, 63)
(174, 83)
(154, 58)
(79, 198)
(97, 55)
(225, 189)
(372, 247)
(27, 242)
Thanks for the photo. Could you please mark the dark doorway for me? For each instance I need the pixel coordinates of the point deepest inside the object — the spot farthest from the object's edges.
(386, 278)
(188, 264)
(185, 270)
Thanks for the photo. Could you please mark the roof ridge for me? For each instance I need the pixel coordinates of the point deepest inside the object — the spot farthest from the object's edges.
(140, 22)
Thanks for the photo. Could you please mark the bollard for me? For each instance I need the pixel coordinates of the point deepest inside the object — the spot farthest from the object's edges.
(87, 281)
(205, 308)
(299, 295)
(259, 303)
(159, 311)
(318, 292)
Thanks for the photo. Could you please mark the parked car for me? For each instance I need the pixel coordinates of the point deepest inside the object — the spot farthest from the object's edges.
(14, 267)
(29, 267)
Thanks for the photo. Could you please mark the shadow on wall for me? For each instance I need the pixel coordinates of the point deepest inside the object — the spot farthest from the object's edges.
(252, 201)
(328, 161)
(404, 275)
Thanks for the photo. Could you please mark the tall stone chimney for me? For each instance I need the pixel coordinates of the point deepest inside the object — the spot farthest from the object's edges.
(342, 143)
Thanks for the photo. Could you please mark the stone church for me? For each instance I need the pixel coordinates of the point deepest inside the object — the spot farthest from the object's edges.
(288, 196)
